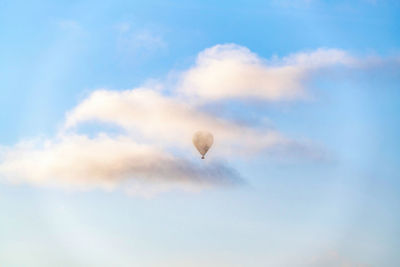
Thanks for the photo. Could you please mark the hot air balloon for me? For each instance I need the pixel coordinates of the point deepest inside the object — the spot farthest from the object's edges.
(203, 140)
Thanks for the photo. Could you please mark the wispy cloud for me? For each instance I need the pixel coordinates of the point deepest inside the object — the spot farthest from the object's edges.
(138, 40)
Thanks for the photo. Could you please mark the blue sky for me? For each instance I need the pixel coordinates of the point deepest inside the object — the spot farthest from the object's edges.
(304, 169)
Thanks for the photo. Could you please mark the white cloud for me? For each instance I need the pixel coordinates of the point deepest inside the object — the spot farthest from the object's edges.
(155, 118)
(81, 162)
(232, 71)
(152, 151)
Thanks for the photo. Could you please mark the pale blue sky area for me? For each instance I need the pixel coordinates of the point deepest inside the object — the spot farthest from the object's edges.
(343, 209)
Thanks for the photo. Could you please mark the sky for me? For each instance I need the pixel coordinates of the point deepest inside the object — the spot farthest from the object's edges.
(100, 99)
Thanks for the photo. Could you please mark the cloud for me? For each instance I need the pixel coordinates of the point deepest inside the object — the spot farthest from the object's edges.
(137, 41)
(232, 71)
(155, 118)
(106, 162)
(152, 150)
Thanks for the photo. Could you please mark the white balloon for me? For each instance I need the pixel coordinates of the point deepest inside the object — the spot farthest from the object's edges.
(203, 140)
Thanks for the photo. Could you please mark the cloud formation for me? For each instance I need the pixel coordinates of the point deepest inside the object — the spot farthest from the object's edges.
(152, 151)
(155, 118)
(232, 71)
(105, 162)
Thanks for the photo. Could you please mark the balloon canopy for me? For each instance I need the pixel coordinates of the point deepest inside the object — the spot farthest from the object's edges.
(203, 140)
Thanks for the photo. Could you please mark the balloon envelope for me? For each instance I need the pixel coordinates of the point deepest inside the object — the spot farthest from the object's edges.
(203, 140)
